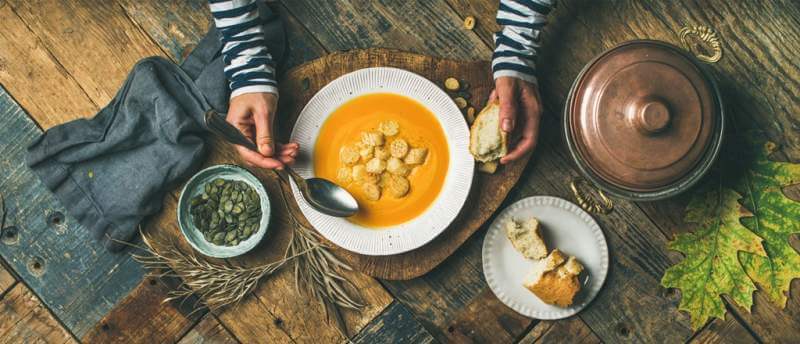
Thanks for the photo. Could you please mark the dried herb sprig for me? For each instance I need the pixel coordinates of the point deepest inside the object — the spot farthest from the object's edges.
(218, 285)
(318, 271)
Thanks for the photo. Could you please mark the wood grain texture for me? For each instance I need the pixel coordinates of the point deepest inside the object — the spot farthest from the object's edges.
(488, 191)
(395, 325)
(437, 297)
(94, 41)
(642, 271)
(757, 75)
(208, 331)
(486, 319)
(143, 317)
(727, 331)
(429, 27)
(49, 250)
(24, 319)
(570, 330)
(178, 26)
(484, 13)
(29, 72)
(7, 279)
(276, 302)
(295, 309)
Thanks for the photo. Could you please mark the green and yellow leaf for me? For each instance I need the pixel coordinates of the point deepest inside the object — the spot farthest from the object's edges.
(775, 218)
(711, 266)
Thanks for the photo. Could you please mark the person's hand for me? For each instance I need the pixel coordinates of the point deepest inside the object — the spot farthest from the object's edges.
(520, 109)
(253, 114)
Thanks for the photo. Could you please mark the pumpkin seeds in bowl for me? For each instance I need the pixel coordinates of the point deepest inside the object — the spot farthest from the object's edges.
(226, 212)
(223, 211)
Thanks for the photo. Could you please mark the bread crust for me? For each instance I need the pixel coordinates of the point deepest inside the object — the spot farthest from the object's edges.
(491, 109)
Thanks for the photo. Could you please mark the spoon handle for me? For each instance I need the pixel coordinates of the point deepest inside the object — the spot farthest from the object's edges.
(216, 122)
(218, 125)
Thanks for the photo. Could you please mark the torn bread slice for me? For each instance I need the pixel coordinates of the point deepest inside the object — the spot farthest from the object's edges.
(526, 238)
(487, 141)
(555, 280)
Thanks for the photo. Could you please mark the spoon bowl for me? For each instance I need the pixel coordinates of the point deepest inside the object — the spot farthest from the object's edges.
(322, 194)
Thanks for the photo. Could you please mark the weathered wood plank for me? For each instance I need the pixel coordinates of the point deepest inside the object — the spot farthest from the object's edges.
(645, 325)
(143, 317)
(208, 331)
(97, 56)
(55, 256)
(454, 302)
(429, 27)
(90, 20)
(395, 325)
(34, 63)
(757, 74)
(484, 13)
(178, 26)
(7, 280)
(276, 300)
(725, 332)
(485, 319)
(30, 73)
(25, 320)
(436, 297)
(570, 330)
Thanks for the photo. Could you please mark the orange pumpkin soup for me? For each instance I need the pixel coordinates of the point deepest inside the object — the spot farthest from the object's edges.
(417, 126)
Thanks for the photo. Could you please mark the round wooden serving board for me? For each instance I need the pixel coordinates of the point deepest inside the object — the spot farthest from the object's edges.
(299, 84)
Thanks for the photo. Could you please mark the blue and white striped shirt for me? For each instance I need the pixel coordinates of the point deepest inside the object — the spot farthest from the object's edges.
(250, 68)
(516, 45)
(248, 65)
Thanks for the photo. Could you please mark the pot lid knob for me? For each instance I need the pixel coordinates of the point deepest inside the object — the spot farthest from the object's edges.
(649, 116)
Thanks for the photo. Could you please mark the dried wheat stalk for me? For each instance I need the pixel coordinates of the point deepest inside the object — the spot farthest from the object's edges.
(218, 285)
(317, 272)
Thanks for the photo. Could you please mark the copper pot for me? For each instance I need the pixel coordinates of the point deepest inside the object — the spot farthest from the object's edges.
(644, 120)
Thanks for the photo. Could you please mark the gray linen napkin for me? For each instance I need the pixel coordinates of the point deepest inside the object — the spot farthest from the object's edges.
(112, 171)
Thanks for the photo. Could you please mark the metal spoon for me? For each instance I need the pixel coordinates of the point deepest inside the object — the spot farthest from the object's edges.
(321, 194)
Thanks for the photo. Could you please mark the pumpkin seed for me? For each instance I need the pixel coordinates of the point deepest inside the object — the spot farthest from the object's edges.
(226, 212)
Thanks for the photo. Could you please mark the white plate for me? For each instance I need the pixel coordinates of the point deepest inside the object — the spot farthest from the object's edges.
(422, 229)
(564, 226)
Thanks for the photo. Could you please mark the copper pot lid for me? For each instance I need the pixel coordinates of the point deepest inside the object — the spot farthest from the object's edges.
(641, 115)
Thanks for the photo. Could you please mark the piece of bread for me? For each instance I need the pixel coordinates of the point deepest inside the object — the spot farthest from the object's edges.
(398, 167)
(525, 237)
(372, 138)
(487, 141)
(398, 148)
(348, 155)
(372, 191)
(395, 185)
(555, 280)
(416, 156)
(389, 128)
(376, 165)
(488, 167)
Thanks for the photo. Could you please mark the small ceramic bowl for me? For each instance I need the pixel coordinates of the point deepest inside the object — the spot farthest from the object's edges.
(195, 186)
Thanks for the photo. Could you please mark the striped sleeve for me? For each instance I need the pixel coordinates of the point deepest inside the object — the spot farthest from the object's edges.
(516, 45)
(248, 65)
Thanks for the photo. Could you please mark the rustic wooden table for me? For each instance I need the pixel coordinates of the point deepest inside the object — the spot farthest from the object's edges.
(61, 60)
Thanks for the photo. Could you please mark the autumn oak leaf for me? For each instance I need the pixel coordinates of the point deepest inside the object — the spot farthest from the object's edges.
(775, 218)
(711, 266)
